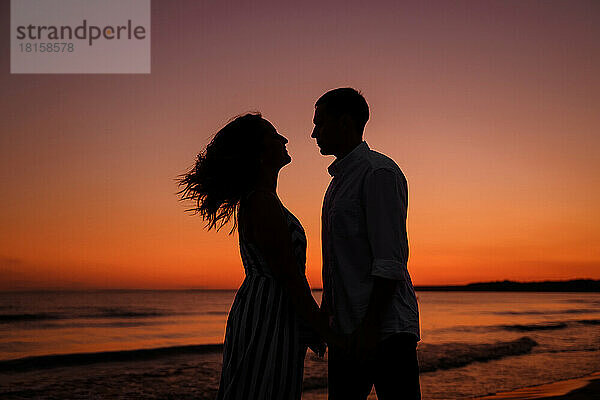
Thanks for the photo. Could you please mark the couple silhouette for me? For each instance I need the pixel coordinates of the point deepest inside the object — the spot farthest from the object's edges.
(369, 318)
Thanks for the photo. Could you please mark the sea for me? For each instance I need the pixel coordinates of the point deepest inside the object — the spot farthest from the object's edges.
(472, 343)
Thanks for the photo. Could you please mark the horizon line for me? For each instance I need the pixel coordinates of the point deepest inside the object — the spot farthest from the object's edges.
(71, 289)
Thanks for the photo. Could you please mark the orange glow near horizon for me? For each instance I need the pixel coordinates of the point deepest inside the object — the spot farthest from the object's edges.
(490, 109)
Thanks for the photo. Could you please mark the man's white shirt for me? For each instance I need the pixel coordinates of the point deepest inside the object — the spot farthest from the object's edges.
(363, 236)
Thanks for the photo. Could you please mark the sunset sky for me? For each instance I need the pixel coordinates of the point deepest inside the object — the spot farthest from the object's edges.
(491, 109)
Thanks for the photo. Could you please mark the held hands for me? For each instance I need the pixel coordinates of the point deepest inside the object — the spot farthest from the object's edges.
(319, 348)
(329, 336)
(360, 345)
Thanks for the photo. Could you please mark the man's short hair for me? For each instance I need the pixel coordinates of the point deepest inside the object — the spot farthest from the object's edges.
(346, 101)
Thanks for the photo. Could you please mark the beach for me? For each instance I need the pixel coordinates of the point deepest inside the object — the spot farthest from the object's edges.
(195, 376)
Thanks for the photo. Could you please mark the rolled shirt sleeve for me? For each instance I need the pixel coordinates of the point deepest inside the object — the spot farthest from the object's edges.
(386, 203)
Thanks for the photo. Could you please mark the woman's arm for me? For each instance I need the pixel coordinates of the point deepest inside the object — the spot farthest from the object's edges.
(264, 223)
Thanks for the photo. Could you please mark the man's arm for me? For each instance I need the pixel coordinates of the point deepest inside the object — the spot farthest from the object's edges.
(386, 202)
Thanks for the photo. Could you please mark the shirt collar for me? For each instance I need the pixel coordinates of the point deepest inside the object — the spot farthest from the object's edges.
(338, 167)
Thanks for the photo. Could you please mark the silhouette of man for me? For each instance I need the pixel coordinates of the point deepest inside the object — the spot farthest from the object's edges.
(367, 290)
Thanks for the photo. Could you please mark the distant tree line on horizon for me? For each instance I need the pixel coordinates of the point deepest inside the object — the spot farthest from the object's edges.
(577, 285)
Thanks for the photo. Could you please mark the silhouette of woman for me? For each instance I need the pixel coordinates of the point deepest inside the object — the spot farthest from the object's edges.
(274, 317)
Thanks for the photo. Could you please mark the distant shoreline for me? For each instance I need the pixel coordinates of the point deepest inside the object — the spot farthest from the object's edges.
(575, 285)
(578, 285)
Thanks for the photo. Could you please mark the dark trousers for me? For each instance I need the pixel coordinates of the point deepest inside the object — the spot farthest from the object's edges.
(394, 370)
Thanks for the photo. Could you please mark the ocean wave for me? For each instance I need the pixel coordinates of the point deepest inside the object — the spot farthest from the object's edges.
(540, 326)
(124, 313)
(433, 357)
(535, 327)
(574, 350)
(536, 312)
(589, 321)
(76, 359)
(545, 326)
(98, 313)
(8, 318)
(94, 324)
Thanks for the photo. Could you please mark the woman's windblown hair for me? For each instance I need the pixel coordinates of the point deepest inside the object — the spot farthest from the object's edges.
(225, 171)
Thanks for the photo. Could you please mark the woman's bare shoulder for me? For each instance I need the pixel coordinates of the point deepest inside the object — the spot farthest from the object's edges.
(262, 209)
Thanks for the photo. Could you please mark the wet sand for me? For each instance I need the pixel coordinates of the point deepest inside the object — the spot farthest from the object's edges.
(586, 387)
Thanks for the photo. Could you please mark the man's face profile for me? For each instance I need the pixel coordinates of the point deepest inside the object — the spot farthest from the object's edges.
(326, 131)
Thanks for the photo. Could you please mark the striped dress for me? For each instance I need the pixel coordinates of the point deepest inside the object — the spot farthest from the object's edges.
(265, 342)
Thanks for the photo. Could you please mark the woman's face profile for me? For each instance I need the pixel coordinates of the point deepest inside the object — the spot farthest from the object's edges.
(274, 152)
